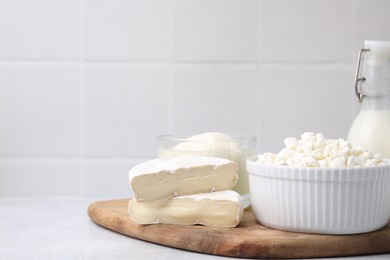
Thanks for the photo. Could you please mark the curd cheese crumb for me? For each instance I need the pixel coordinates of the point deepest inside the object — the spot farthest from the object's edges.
(314, 150)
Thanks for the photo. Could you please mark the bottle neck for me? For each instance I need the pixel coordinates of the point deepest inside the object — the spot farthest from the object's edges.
(376, 71)
(379, 102)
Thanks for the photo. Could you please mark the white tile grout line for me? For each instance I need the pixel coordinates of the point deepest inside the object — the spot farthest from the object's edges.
(170, 62)
(341, 65)
(355, 108)
(259, 32)
(82, 97)
(259, 35)
(72, 160)
(355, 23)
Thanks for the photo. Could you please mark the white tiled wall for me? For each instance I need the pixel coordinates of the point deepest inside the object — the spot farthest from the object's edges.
(39, 110)
(307, 31)
(126, 30)
(217, 97)
(214, 31)
(87, 85)
(125, 108)
(40, 30)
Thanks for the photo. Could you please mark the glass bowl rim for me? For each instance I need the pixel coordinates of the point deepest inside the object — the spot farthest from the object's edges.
(183, 137)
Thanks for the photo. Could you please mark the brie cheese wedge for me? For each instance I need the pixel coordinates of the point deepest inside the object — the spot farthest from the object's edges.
(165, 178)
(216, 209)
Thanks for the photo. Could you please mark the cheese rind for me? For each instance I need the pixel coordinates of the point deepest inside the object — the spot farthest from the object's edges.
(161, 179)
(216, 209)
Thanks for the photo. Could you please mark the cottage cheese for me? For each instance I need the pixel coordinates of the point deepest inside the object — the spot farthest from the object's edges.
(313, 150)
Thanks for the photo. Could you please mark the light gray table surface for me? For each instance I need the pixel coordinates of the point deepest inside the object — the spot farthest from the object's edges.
(59, 228)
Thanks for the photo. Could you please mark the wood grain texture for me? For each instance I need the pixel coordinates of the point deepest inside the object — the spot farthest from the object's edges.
(248, 240)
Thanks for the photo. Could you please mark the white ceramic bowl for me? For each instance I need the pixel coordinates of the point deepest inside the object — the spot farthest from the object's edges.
(320, 200)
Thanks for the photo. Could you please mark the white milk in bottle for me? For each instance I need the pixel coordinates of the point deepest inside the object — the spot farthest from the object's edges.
(371, 128)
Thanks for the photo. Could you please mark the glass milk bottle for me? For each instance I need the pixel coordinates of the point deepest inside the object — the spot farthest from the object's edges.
(371, 128)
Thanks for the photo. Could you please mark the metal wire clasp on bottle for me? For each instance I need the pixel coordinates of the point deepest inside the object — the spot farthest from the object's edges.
(359, 93)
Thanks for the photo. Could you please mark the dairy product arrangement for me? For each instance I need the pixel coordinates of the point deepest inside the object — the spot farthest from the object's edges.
(313, 185)
(185, 190)
(194, 189)
(314, 150)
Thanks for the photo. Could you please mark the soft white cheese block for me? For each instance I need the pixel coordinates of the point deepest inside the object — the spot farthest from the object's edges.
(216, 209)
(164, 178)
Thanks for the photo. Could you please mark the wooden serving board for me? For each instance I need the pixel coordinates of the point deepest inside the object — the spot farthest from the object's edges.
(248, 240)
